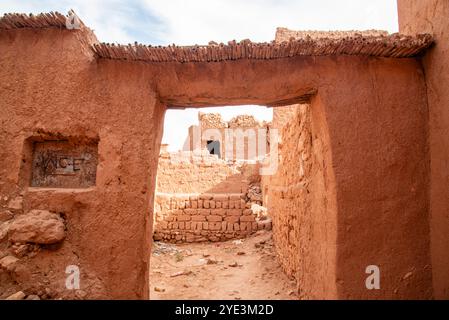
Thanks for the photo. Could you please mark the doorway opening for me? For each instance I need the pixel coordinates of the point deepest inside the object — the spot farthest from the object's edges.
(214, 147)
(212, 234)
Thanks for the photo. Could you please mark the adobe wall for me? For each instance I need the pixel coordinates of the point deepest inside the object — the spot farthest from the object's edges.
(381, 199)
(205, 217)
(301, 206)
(198, 172)
(351, 199)
(53, 89)
(282, 115)
(200, 197)
(241, 138)
(419, 16)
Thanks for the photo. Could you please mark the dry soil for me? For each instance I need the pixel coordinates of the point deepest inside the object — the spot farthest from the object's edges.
(238, 269)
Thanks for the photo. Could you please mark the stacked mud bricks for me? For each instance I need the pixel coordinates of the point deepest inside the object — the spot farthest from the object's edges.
(204, 217)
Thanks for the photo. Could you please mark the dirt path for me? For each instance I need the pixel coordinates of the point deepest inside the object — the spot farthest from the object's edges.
(239, 269)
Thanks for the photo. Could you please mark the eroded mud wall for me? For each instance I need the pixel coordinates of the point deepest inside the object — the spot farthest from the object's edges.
(355, 193)
(281, 115)
(432, 16)
(200, 197)
(52, 88)
(300, 202)
(378, 142)
(200, 172)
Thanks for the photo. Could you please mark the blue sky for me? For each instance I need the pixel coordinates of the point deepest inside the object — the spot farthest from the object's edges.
(162, 22)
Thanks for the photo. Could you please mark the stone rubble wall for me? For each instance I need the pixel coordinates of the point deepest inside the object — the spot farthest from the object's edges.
(206, 217)
(211, 120)
(245, 121)
(25, 234)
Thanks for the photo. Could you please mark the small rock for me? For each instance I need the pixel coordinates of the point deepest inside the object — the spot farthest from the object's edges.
(3, 253)
(268, 224)
(181, 273)
(211, 261)
(157, 289)
(6, 215)
(8, 262)
(81, 294)
(33, 297)
(15, 204)
(21, 273)
(46, 294)
(37, 226)
(20, 249)
(240, 253)
(235, 264)
(407, 275)
(4, 229)
(16, 296)
(258, 210)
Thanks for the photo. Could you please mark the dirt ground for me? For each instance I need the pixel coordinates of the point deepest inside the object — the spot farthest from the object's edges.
(238, 269)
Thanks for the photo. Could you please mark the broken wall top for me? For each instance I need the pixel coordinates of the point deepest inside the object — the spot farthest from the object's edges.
(246, 121)
(211, 120)
(214, 120)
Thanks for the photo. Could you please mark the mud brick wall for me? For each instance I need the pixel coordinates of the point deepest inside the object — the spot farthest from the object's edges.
(204, 217)
(106, 166)
(241, 138)
(198, 172)
(417, 16)
(285, 193)
(282, 115)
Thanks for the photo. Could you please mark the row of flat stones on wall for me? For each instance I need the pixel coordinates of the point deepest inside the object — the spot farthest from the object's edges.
(205, 217)
(166, 201)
